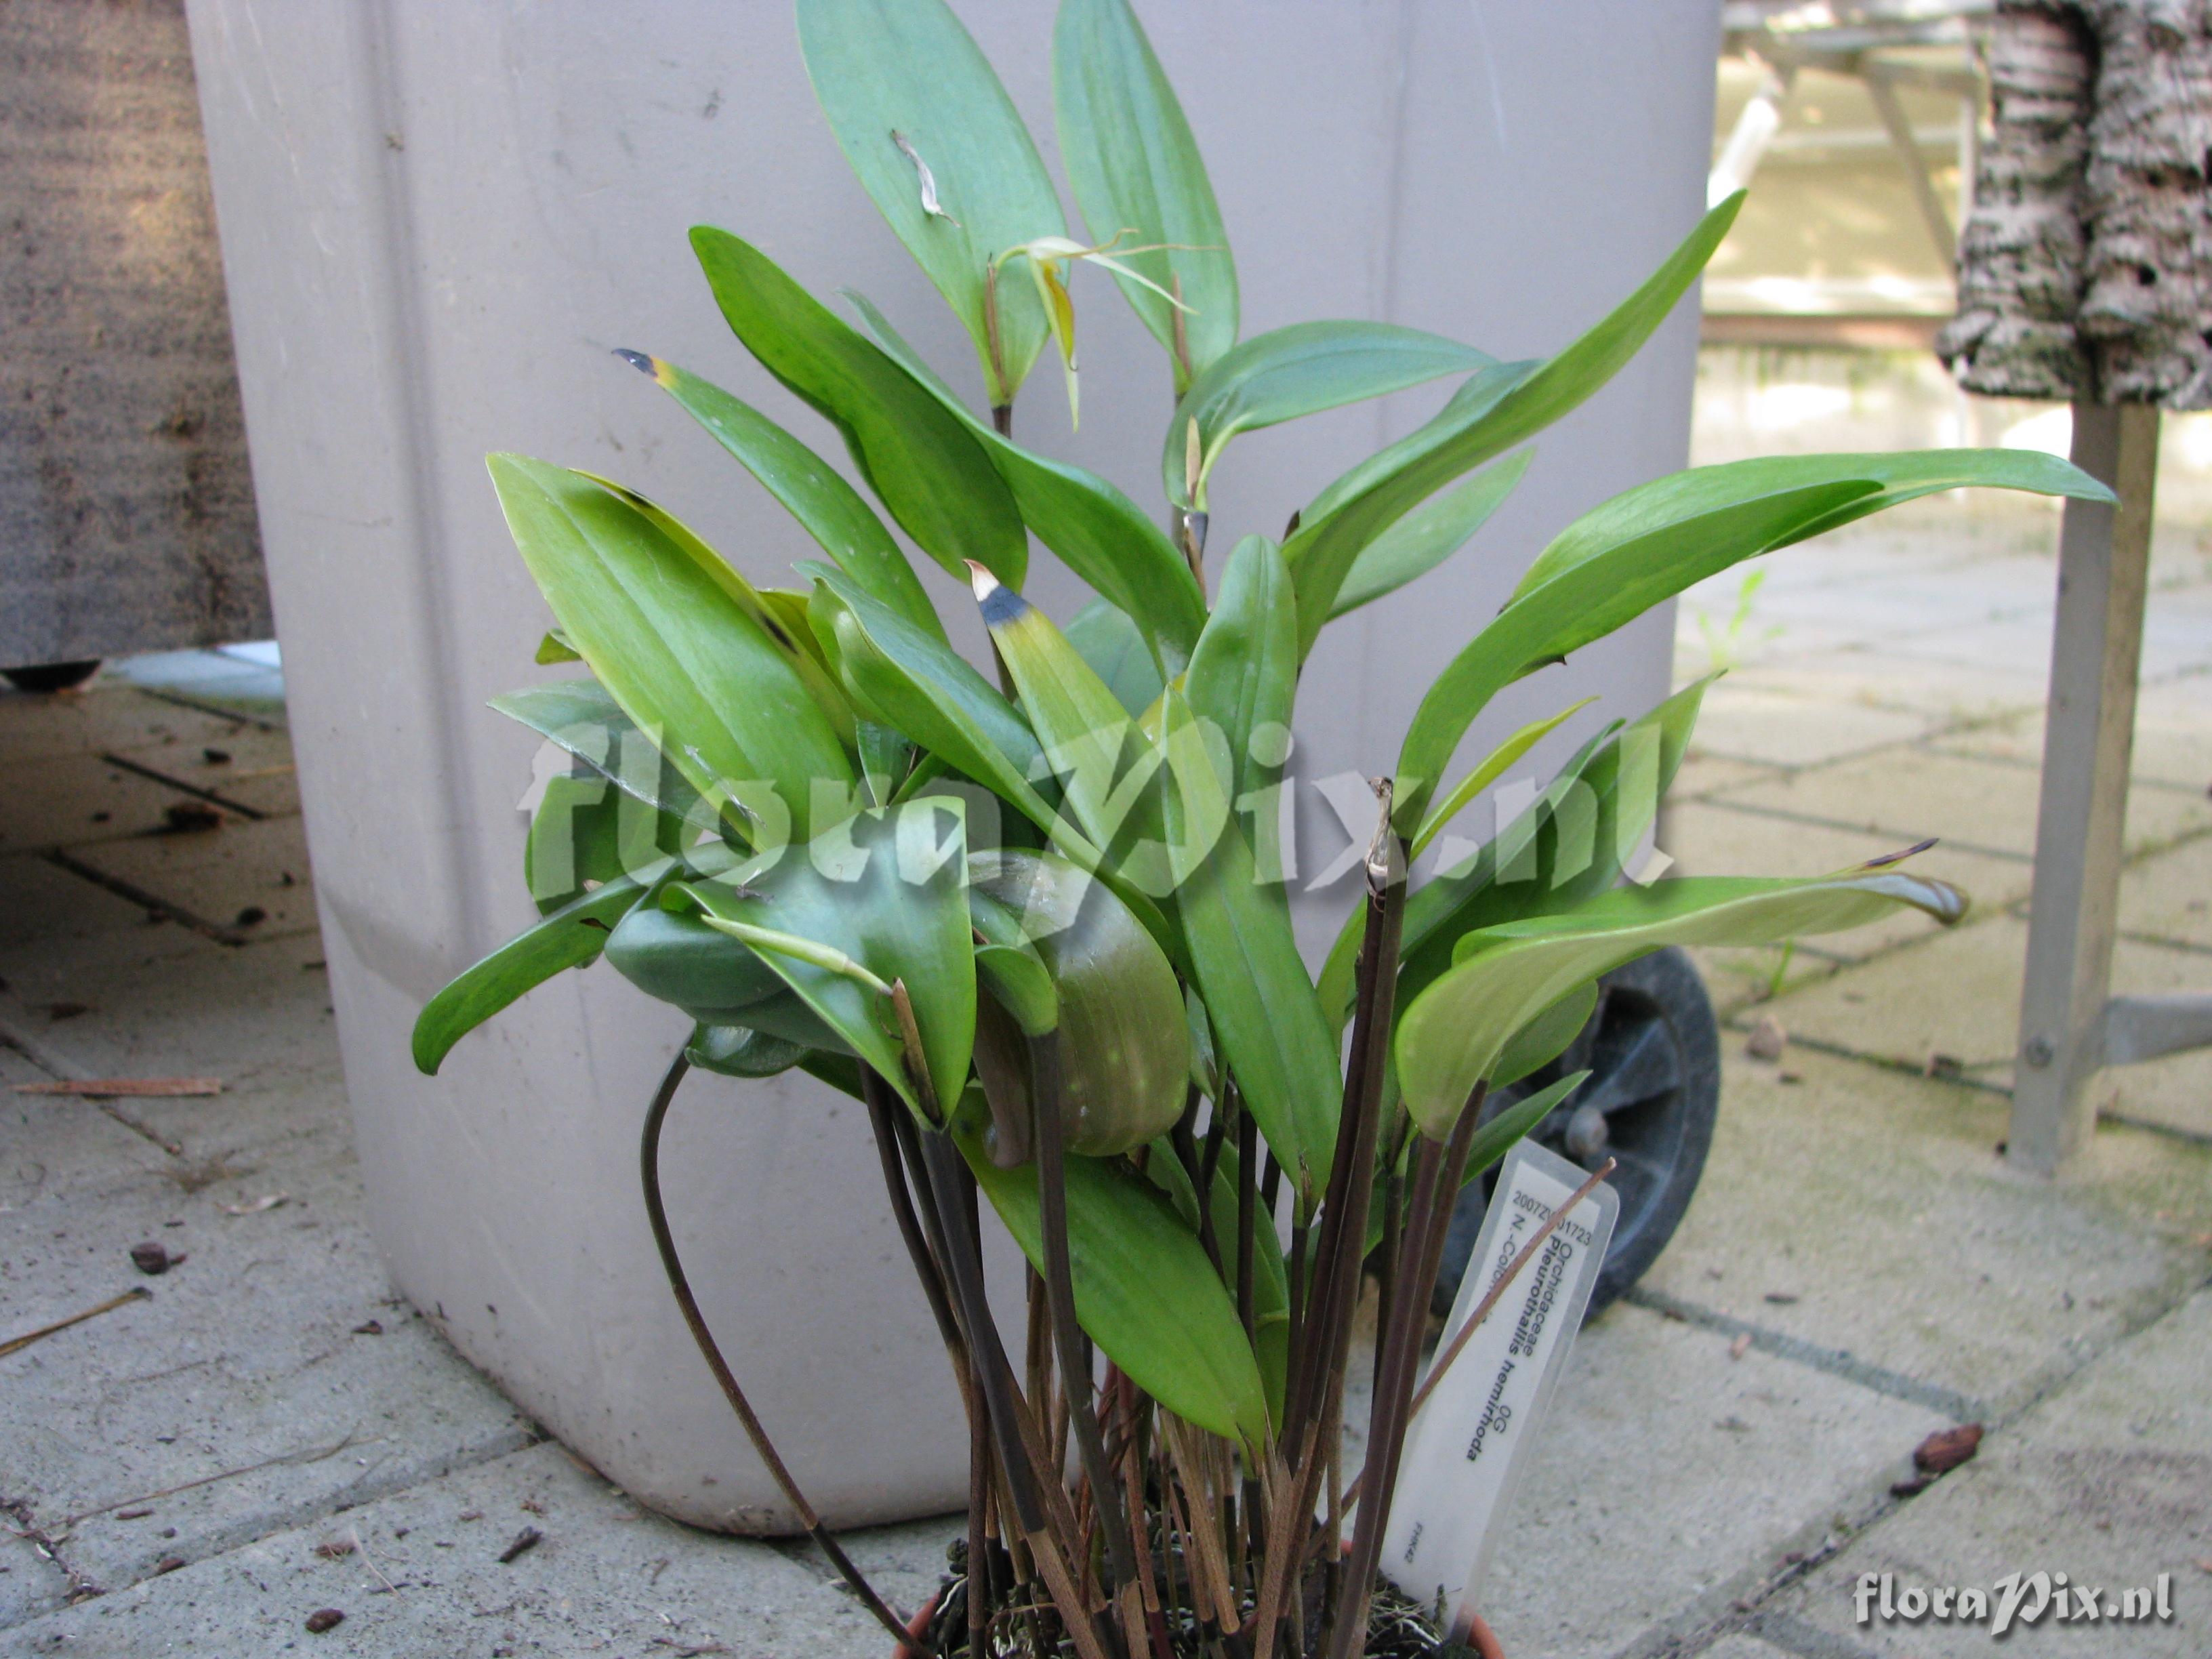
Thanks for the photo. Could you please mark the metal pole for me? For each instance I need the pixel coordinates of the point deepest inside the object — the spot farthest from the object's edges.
(2103, 561)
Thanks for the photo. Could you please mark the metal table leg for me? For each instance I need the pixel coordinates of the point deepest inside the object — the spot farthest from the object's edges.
(2104, 557)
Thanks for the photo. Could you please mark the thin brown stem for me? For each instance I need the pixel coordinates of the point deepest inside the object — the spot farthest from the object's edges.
(657, 1217)
(1059, 1295)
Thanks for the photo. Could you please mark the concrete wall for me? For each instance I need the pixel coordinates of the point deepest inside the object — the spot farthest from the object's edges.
(438, 218)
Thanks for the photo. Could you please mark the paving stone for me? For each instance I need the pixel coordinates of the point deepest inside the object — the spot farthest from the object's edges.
(244, 765)
(2172, 737)
(1958, 994)
(1744, 722)
(75, 800)
(2169, 895)
(1944, 692)
(1717, 839)
(52, 1144)
(1862, 1212)
(1743, 1459)
(244, 1371)
(1974, 803)
(1703, 772)
(105, 716)
(1740, 1646)
(256, 1016)
(219, 875)
(607, 1578)
(2109, 1482)
(51, 918)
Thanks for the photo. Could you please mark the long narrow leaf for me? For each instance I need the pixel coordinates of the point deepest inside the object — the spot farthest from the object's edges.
(1427, 536)
(1495, 409)
(1244, 958)
(1138, 175)
(812, 491)
(1143, 1289)
(569, 938)
(682, 657)
(939, 145)
(1303, 369)
(1456, 1031)
(923, 462)
(1098, 531)
(1244, 676)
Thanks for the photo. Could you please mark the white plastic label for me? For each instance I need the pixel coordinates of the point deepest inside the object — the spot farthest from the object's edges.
(1471, 1441)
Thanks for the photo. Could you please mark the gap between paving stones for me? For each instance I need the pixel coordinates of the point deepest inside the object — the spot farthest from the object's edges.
(181, 786)
(1680, 1636)
(130, 891)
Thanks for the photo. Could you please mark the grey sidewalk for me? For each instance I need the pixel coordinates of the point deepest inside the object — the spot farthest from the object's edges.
(268, 1434)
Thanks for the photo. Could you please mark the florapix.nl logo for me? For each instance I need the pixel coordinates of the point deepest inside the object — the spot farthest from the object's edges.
(2017, 1601)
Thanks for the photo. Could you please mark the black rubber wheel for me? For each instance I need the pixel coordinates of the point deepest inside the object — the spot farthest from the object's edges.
(1652, 1048)
(52, 676)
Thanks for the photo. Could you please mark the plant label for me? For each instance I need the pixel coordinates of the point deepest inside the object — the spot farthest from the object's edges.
(1474, 1439)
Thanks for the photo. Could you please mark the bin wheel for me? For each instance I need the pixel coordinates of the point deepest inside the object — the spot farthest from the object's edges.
(52, 676)
(1652, 1049)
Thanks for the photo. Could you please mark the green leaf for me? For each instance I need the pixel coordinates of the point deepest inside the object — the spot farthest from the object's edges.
(906, 89)
(1104, 637)
(918, 685)
(1545, 1037)
(887, 891)
(580, 717)
(1568, 844)
(1489, 772)
(678, 957)
(923, 464)
(569, 938)
(586, 832)
(1496, 1138)
(770, 610)
(1300, 370)
(1098, 532)
(1497, 408)
(1685, 501)
(1244, 958)
(1090, 742)
(1124, 1047)
(1143, 1289)
(1271, 1287)
(1428, 535)
(1136, 170)
(1244, 676)
(812, 491)
(684, 660)
(1582, 603)
(554, 649)
(738, 1051)
(1454, 1033)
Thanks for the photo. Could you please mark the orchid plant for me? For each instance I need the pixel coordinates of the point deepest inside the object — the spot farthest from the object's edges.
(1019, 913)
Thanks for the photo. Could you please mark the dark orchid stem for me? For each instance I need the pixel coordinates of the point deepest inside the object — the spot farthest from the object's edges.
(946, 1172)
(1343, 1242)
(1394, 1339)
(1059, 1295)
(982, 1592)
(1184, 1139)
(656, 1215)
(1248, 1226)
(884, 1110)
(1002, 419)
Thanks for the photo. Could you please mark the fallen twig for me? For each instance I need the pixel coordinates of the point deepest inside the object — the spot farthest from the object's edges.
(315, 1456)
(117, 1088)
(15, 1344)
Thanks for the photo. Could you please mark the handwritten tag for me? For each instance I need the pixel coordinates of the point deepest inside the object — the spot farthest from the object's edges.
(1472, 1441)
